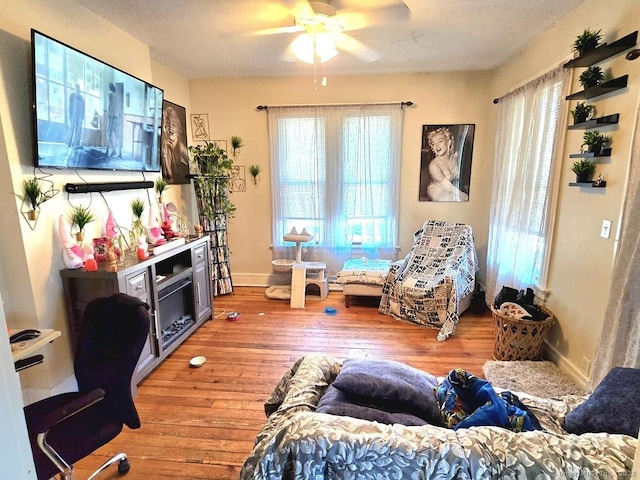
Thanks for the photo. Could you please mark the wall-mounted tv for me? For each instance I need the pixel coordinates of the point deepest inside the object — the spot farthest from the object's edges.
(90, 115)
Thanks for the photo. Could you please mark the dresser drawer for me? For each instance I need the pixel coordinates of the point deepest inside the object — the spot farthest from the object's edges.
(137, 285)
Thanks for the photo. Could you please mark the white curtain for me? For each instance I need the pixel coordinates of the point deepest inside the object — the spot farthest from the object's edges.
(335, 171)
(620, 338)
(529, 136)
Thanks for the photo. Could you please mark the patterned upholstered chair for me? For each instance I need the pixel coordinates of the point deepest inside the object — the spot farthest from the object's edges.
(435, 282)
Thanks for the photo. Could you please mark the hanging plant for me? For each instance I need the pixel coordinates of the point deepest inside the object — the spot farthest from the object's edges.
(33, 195)
(236, 145)
(254, 171)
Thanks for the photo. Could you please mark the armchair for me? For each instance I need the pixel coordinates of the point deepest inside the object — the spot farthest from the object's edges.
(434, 283)
(67, 427)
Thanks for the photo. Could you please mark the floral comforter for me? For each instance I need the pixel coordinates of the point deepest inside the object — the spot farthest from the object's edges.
(297, 443)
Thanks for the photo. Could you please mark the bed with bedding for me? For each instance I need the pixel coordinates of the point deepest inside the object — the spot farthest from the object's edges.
(360, 419)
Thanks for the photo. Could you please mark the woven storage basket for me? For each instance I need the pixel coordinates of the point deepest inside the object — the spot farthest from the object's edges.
(519, 339)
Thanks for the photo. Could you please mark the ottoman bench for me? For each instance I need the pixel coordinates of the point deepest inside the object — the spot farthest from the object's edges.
(363, 277)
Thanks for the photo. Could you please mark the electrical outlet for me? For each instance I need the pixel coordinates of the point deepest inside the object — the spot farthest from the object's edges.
(605, 232)
(586, 365)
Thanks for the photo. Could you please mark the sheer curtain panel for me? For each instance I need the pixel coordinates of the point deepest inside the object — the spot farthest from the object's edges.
(335, 171)
(620, 338)
(528, 139)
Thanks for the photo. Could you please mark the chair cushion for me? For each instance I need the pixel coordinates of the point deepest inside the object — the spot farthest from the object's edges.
(390, 386)
(336, 402)
(612, 408)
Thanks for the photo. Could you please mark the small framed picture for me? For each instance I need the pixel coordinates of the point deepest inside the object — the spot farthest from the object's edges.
(200, 127)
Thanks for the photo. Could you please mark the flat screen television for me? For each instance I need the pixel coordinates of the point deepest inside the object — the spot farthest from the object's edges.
(90, 115)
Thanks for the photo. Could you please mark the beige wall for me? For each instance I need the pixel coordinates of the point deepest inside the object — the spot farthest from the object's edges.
(582, 261)
(30, 260)
(439, 98)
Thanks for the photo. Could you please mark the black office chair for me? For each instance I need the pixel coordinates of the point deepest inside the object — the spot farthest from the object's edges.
(67, 427)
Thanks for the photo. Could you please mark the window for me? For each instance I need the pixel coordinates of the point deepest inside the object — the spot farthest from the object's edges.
(527, 141)
(335, 172)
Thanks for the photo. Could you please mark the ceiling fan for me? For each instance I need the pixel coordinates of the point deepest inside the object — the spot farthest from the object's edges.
(322, 28)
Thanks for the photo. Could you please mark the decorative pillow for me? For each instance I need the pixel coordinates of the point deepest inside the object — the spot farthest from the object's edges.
(612, 408)
(390, 386)
(336, 402)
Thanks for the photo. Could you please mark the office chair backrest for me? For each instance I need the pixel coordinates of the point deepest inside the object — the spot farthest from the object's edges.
(113, 333)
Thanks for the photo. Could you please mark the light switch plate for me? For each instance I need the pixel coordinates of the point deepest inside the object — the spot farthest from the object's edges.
(606, 229)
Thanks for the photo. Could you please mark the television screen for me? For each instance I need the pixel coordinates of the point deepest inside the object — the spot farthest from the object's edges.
(90, 115)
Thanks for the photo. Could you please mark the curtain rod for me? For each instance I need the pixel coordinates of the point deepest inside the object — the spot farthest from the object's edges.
(539, 78)
(402, 105)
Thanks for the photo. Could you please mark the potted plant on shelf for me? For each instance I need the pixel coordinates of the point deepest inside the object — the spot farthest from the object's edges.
(211, 159)
(582, 112)
(591, 77)
(137, 227)
(81, 216)
(34, 195)
(584, 169)
(587, 40)
(595, 141)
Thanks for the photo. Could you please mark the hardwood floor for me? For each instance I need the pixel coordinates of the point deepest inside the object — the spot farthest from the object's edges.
(200, 423)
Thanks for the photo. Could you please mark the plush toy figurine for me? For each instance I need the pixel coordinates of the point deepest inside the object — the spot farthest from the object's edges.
(155, 232)
(71, 252)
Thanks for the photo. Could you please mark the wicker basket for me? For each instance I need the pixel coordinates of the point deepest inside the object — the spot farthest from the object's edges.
(519, 339)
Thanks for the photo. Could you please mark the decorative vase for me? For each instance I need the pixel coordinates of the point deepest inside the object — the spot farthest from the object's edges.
(80, 236)
(33, 215)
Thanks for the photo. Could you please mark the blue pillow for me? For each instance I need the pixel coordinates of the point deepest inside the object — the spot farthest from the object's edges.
(390, 386)
(613, 407)
(336, 402)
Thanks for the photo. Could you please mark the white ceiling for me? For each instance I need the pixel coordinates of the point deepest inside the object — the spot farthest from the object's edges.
(214, 38)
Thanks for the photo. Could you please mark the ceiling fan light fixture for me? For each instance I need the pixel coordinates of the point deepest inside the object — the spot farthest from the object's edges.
(303, 48)
(325, 46)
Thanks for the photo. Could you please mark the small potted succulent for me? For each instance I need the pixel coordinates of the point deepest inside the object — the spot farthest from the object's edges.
(584, 170)
(595, 141)
(137, 227)
(591, 77)
(582, 112)
(587, 40)
(81, 216)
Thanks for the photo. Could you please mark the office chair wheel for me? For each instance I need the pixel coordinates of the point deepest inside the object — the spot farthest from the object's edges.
(123, 466)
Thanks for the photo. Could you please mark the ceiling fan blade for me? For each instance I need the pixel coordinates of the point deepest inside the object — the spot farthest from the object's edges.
(356, 48)
(279, 30)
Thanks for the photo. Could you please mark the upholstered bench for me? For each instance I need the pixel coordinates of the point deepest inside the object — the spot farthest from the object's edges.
(363, 277)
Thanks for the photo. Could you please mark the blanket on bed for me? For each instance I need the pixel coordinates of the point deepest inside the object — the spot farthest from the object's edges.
(298, 443)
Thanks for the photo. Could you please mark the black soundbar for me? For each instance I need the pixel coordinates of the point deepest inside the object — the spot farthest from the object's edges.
(105, 187)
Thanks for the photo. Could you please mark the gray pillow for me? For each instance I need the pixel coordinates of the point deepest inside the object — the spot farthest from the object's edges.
(390, 386)
(613, 406)
(336, 402)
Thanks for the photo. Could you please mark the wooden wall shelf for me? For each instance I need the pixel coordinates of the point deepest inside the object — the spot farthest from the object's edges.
(605, 152)
(606, 87)
(612, 119)
(602, 184)
(603, 52)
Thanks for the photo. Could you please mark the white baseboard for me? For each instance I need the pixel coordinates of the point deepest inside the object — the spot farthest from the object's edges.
(565, 365)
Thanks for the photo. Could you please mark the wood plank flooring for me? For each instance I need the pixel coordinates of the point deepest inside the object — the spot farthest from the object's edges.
(200, 423)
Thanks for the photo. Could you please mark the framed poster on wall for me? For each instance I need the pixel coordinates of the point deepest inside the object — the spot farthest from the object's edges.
(445, 162)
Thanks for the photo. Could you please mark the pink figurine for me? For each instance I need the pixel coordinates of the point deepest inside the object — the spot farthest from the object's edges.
(111, 228)
(72, 253)
(143, 248)
(155, 232)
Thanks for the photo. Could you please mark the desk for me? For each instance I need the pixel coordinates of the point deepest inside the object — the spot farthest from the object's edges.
(20, 350)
